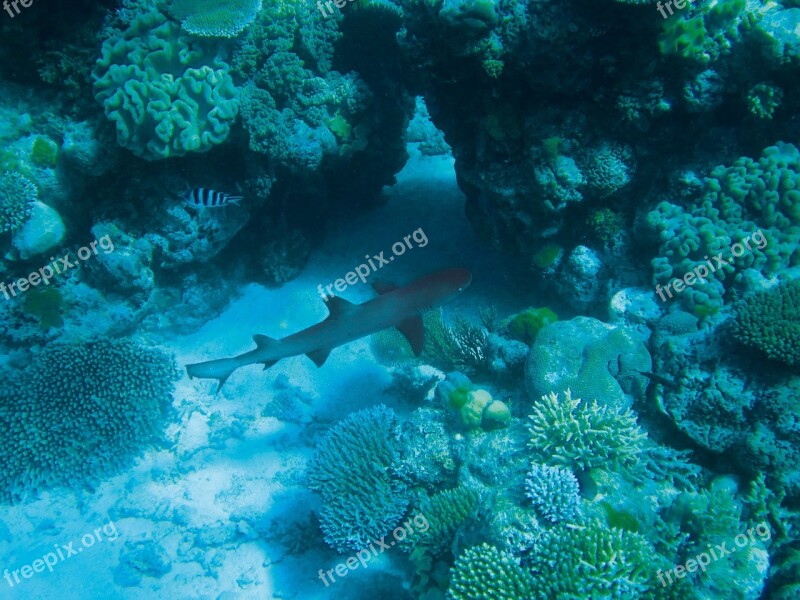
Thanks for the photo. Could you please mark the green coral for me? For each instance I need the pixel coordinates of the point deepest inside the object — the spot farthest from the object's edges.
(46, 306)
(525, 325)
(592, 561)
(44, 152)
(486, 572)
(80, 412)
(446, 512)
(214, 18)
(352, 469)
(569, 432)
(17, 196)
(164, 94)
(738, 202)
(547, 256)
(763, 100)
(685, 38)
(769, 322)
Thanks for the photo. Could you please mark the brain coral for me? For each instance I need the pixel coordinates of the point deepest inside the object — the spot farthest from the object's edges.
(584, 436)
(79, 412)
(214, 18)
(770, 322)
(352, 469)
(163, 93)
(592, 358)
(17, 195)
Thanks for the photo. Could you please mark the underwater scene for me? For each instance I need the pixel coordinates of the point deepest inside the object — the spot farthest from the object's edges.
(400, 299)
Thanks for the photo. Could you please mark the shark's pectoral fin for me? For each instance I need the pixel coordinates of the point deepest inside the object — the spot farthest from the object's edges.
(262, 341)
(339, 307)
(267, 364)
(383, 287)
(319, 356)
(414, 332)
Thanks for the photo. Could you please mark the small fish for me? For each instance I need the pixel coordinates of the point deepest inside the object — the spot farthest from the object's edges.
(667, 383)
(206, 197)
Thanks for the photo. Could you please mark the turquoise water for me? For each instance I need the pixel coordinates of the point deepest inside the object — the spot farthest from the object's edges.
(465, 300)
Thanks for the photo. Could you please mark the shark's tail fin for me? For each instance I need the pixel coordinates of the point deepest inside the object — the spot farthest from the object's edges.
(213, 369)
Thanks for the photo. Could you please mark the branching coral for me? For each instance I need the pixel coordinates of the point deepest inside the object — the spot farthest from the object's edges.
(584, 436)
(17, 195)
(79, 412)
(353, 471)
(486, 572)
(592, 561)
(554, 492)
(445, 513)
(770, 322)
(461, 345)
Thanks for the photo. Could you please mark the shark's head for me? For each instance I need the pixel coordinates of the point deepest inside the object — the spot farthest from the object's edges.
(442, 286)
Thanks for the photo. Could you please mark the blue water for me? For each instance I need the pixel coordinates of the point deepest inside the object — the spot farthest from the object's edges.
(561, 361)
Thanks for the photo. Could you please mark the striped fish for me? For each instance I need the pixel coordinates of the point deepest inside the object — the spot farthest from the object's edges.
(206, 197)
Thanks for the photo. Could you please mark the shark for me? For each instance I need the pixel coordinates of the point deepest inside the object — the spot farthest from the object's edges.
(399, 307)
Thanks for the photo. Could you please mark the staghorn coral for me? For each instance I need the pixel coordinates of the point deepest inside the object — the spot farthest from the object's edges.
(769, 322)
(214, 18)
(592, 561)
(17, 196)
(79, 412)
(553, 492)
(353, 471)
(584, 436)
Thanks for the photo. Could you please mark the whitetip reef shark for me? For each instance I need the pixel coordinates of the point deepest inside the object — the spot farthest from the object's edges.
(394, 307)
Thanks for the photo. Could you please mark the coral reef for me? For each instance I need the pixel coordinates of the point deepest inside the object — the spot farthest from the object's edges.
(352, 470)
(769, 322)
(80, 412)
(554, 492)
(593, 359)
(163, 92)
(569, 432)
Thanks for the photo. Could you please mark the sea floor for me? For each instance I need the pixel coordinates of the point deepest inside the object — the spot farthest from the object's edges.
(222, 511)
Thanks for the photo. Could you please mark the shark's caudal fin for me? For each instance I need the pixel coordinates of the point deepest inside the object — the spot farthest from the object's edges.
(215, 369)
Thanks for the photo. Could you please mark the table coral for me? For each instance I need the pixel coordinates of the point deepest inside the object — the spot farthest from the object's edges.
(214, 18)
(769, 322)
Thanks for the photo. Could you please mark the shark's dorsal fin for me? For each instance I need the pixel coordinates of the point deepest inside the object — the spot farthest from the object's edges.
(319, 356)
(262, 341)
(414, 332)
(383, 287)
(339, 307)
